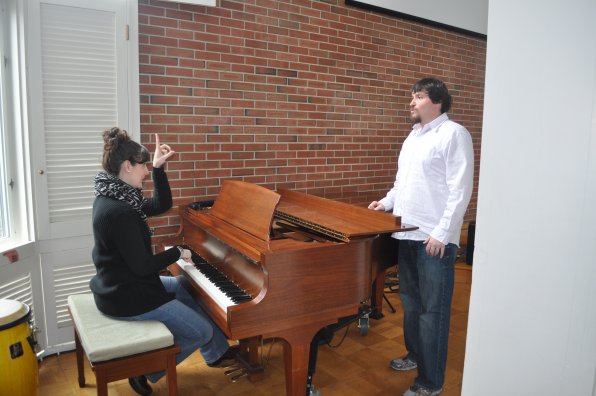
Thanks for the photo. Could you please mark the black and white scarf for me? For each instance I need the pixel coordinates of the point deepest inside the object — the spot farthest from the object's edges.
(112, 187)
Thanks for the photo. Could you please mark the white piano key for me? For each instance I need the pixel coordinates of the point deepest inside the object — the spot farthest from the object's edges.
(217, 295)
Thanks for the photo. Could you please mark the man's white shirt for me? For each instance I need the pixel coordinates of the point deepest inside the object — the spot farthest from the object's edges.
(434, 181)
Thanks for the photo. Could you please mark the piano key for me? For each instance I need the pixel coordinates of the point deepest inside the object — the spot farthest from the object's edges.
(223, 291)
(215, 293)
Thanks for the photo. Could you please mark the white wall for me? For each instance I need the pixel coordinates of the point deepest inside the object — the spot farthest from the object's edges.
(532, 323)
(464, 14)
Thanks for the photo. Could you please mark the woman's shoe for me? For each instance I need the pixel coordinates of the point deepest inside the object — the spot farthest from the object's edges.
(140, 385)
(227, 359)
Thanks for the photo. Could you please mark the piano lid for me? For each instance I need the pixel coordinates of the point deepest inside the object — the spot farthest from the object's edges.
(338, 220)
(246, 206)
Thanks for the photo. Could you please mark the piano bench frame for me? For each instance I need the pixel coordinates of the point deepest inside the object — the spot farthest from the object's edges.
(122, 367)
(129, 366)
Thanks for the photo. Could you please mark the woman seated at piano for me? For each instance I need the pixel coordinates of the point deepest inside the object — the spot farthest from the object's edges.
(128, 284)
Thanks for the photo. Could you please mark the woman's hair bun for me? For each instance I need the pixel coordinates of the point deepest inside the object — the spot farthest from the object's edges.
(113, 137)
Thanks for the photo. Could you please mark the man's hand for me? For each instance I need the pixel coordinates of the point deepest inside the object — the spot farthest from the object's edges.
(375, 205)
(162, 153)
(434, 247)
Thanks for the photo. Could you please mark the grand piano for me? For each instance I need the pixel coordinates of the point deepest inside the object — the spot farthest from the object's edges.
(291, 263)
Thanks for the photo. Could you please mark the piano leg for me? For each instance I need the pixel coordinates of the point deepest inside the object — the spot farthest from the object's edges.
(324, 336)
(296, 366)
(296, 345)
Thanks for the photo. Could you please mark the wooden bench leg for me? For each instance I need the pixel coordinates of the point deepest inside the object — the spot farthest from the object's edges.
(80, 363)
(171, 376)
(102, 383)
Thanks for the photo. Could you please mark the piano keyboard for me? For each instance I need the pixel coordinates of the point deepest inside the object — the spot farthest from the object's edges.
(223, 291)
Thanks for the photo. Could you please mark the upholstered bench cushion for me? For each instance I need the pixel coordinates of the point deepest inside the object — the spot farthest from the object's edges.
(104, 338)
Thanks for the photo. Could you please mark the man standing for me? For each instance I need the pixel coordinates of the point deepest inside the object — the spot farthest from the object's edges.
(432, 190)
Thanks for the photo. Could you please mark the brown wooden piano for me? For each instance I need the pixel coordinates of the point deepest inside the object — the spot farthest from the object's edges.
(295, 263)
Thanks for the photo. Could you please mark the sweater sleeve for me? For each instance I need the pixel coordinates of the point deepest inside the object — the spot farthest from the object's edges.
(161, 201)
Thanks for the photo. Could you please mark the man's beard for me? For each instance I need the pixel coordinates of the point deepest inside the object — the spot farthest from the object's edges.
(415, 118)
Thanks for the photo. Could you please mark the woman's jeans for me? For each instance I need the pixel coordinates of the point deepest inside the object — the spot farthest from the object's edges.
(191, 327)
(426, 290)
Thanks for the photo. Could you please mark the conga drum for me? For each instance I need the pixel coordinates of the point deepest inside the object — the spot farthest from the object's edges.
(18, 361)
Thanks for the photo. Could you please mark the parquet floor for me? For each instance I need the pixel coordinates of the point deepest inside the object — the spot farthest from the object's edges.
(357, 367)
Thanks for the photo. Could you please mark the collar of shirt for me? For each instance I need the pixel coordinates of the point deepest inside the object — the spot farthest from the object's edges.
(431, 125)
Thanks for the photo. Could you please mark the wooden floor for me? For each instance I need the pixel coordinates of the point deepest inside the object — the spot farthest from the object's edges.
(357, 367)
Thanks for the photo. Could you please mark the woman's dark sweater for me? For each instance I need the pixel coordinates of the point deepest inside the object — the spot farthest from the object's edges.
(127, 281)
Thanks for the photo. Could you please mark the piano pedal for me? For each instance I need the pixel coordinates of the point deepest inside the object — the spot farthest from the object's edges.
(238, 377)
(233, 370)
(229, 365)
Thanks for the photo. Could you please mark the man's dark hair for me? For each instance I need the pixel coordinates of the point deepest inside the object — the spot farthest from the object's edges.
(436, 90)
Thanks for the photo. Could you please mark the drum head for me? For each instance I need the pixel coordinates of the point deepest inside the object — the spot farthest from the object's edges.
(12, 313)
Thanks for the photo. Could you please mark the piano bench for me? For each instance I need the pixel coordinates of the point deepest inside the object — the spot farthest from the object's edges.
(119, 349)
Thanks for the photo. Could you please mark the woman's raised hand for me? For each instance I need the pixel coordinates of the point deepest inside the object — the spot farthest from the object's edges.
(163, 152)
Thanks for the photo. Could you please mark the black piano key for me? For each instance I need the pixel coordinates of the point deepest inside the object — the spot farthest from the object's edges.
(229, 288)
(235, 293)
(226, 286)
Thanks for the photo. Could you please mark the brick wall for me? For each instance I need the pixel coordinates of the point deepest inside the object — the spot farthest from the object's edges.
(305, 95)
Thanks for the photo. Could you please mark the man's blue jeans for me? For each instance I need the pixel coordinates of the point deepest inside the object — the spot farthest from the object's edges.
(191, 327)
(426, 290)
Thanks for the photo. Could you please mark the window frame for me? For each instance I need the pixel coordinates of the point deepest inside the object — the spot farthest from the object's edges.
(15, 155)
(5, 225)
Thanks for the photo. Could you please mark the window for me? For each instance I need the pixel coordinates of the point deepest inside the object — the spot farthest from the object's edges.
(4, 225)
(14, 181)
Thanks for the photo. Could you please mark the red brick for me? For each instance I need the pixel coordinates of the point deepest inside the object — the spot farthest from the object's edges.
(311, 96)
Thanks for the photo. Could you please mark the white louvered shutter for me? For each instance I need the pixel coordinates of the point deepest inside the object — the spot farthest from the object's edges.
(83, 78)
(17, 284)
(18, 289)
(79, 97)
(68, 273)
